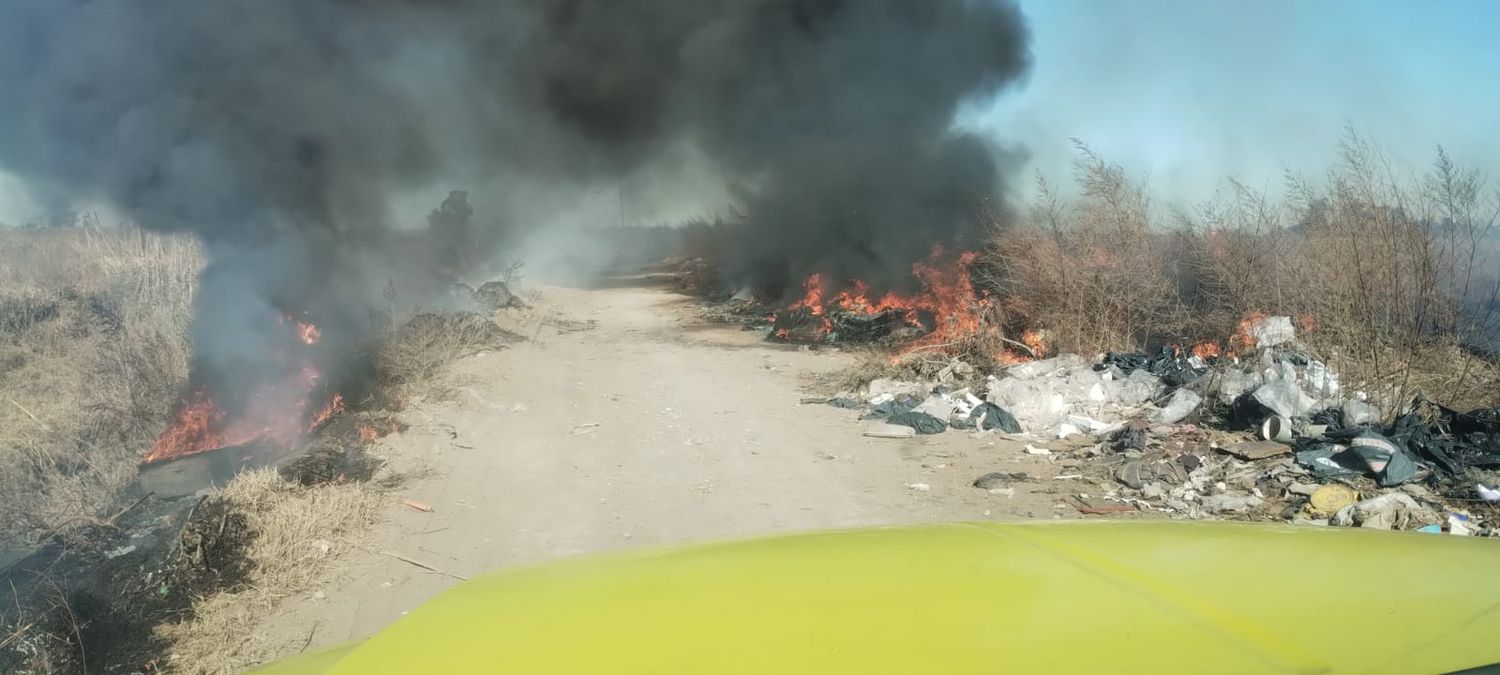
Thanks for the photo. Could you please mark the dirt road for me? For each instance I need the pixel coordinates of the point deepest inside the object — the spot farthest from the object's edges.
(626, 420)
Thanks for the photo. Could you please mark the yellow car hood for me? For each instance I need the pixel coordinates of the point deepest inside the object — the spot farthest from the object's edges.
(971, 598)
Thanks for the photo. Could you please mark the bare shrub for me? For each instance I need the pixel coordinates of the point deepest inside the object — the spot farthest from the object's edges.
(1392, 278)
(1091, 273)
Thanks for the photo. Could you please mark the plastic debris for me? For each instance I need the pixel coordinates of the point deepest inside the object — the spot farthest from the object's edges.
(1488, 494)
(922, 422)
(886, 389)
(1285, 398)
(986, 416)
(1183, 403)
(1360, 414)
(1390, 464)
(883, 430)
(1394, 510)
(1330, 499)
(998, 480)
(1033, 450)
(918, 487)
(1229, 502)
(1272, 331)
(1254, 450)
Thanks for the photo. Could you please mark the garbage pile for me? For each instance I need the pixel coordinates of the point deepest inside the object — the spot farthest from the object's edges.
(1271, 436)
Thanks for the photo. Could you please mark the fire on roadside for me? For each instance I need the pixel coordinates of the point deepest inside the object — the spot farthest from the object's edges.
(1207, 349)
(946, 307)
(274, 413)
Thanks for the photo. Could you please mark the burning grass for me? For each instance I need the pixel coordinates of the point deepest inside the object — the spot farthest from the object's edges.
(1393, 282)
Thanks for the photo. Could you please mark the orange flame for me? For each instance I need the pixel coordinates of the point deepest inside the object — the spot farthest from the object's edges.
(1243, 340)
(947, 296)
(273, 413)
(308, 333)
(1035, 341)
(1207, 349)
(334, 407)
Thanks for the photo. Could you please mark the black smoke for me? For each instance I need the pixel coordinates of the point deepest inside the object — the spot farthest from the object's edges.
(279, 131)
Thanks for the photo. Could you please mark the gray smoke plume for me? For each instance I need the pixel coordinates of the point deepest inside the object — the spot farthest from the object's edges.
(279, 131)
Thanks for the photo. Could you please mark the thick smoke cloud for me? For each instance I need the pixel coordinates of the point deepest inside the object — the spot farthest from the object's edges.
(279, 130)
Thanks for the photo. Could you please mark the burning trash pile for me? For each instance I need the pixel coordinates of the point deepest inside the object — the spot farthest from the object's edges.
(1270, 433)
(947, 306)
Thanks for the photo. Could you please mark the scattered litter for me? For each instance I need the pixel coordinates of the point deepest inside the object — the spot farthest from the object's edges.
(1254, 450)
(1099, 507)
(1277, 428)
(886, 388)
(519, 407)
(882, 430)
(922, 422)
(1393, 510)
(1357, 413)
(1131, 437)
(1272, 331)
(416, 505)
(1330, 499)
(1143, 423)
(1229, 503)
(998, 479)
(1458, 525)
(919, 487)
(585, 428)
(986, 416)
(1132, 475)
(117, 552)
(1285, 398)
(1183, 403)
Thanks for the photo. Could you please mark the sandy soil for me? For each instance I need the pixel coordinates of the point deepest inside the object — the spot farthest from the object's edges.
(628, 421)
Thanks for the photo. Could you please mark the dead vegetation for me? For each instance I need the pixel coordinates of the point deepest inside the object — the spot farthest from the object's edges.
(412, 359)
(93, 349)
(1393, 279)
(293, 537)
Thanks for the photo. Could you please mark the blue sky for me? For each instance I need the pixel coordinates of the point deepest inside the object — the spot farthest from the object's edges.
(1186, 93)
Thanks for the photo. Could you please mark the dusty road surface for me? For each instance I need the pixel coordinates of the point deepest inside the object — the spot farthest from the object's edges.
(626, 420)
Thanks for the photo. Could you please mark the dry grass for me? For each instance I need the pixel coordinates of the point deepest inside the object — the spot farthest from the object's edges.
(413, 359)
(1393, 278)
(297, 536)
(93, 348)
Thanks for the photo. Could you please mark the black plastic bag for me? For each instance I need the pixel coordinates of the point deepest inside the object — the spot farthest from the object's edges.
(990, 416)
(896, 406)
(922, 422)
